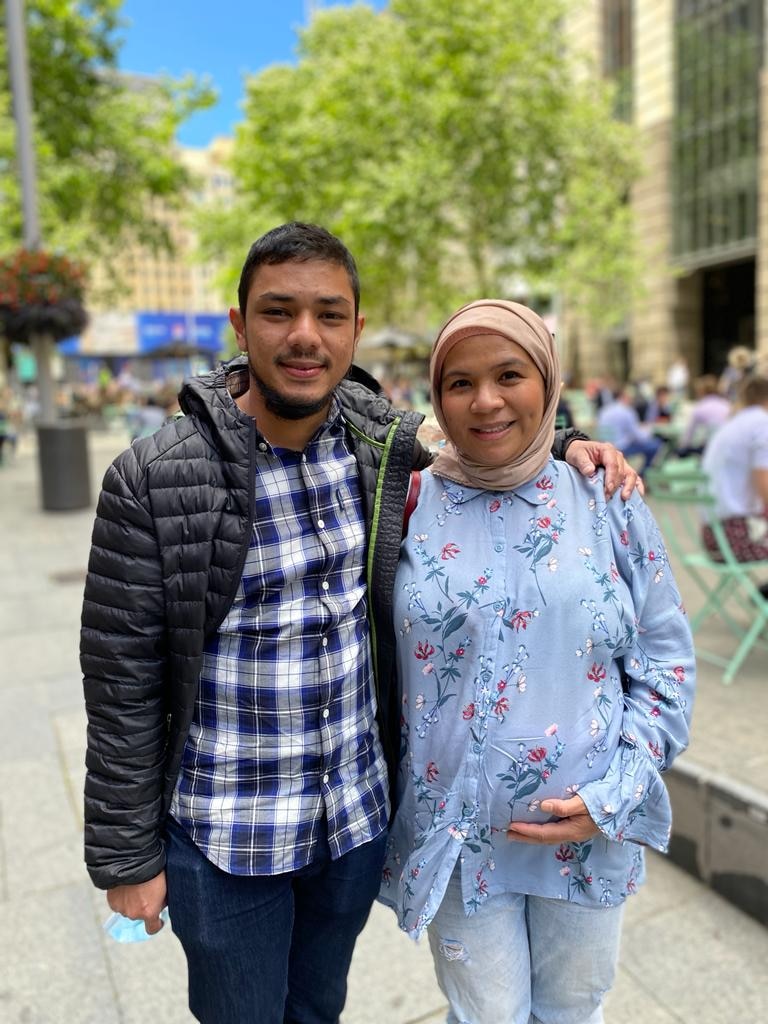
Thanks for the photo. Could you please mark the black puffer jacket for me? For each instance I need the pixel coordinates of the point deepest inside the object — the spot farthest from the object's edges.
(169, 543)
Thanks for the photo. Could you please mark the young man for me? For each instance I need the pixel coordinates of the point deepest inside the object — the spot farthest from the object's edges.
(237, 649)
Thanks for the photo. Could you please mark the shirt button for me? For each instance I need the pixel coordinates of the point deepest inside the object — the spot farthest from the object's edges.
(303, 458)
(262, 446)
(325, 641)
(326, 712)
(326, 585)
(498, 548)
(321, 524)
(325, 778)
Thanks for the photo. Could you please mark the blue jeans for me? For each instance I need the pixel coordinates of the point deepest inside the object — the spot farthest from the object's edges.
(524, 959)
(270, 949)
(648, 448)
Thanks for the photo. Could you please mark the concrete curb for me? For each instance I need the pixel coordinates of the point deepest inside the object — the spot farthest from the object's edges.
(720, 835)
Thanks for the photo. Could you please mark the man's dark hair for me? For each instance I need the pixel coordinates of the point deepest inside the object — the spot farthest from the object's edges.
(754, 390)
(296, 242)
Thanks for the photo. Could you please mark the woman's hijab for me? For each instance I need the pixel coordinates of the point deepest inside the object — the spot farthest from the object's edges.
(519, 324)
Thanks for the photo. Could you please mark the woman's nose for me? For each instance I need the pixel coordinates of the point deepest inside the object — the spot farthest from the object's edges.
(486, 398)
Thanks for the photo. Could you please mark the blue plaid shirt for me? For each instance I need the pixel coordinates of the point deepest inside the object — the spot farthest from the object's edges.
(284, 733)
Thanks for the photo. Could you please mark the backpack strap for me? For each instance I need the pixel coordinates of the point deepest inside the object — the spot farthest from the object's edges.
(412, 498)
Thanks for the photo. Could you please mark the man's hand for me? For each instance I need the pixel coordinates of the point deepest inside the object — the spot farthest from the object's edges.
(586, 456)
(143, 901)
(574, 827)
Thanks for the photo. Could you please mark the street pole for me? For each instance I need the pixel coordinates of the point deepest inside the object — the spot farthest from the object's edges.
(42, 345)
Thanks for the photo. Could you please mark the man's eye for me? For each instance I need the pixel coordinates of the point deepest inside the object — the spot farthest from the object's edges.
(277, 311)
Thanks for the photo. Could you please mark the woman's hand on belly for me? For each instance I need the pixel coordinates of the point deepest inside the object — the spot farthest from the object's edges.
(575, 824)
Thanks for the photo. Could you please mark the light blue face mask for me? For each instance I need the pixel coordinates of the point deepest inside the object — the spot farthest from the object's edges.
(124, 929)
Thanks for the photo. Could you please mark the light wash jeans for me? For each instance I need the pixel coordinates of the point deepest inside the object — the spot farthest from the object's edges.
(524, 959)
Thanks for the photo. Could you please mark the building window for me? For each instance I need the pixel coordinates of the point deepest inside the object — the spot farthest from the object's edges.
(617, 52)
(719, 54)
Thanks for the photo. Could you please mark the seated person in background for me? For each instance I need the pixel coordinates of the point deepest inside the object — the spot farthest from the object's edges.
(709, 411)
(659, 409)
(736, 460)
(619, 422)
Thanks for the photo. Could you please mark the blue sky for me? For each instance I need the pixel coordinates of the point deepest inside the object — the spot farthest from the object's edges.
(224, 39)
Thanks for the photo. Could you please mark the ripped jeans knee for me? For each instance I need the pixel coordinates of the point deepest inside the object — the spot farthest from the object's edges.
(453, 950)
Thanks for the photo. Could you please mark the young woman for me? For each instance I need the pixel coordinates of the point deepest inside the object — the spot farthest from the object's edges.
(547, 671)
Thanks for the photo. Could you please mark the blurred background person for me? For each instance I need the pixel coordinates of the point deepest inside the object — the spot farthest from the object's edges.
(660, 409)
(678, 378)
(619, 423)
(736, 461)
(740, 364)
(708, 412)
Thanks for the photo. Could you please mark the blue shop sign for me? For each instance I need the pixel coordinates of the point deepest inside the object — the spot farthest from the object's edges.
(198, 330)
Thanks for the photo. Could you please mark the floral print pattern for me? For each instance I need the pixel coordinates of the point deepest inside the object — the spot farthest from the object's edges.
(544, 652)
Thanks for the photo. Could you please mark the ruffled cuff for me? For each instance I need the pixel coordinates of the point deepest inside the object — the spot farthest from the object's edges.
(630, 803)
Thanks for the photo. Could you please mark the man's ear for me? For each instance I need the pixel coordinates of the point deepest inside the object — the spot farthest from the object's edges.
(358, 331)
(236, 319)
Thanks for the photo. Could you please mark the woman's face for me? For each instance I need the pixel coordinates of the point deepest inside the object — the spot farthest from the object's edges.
(493, 398)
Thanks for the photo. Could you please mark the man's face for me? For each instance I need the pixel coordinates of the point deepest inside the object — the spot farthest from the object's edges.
(300, 334)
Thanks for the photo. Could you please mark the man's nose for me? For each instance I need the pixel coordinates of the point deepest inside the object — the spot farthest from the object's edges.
(305, 328)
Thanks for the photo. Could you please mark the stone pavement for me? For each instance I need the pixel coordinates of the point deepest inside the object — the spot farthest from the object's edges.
(688, 956)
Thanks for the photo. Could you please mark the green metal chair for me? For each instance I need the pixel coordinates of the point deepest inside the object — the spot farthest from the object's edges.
(680, 495)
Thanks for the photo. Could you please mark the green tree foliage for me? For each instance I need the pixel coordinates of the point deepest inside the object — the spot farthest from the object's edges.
(452, 147)
(103, 141)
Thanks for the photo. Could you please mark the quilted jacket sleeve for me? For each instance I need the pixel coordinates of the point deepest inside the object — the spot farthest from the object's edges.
(123, 659)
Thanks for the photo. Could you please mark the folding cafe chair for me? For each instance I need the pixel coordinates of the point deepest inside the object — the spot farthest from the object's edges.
(682, 500)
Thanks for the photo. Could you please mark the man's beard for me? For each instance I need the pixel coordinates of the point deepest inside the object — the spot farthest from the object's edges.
(283, 406)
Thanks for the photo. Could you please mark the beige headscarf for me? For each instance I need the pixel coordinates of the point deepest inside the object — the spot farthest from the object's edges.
(519, 324)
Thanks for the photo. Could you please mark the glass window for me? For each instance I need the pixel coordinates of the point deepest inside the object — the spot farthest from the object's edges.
(718, 56)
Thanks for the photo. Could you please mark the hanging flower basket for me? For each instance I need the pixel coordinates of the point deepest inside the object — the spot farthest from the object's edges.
(41, 294)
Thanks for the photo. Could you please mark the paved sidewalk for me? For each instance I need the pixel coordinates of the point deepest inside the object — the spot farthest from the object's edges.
(688, 957)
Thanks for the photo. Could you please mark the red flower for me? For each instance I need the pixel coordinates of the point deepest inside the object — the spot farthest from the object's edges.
(432, 771)
(501, 685)
(588, 879)
(501, 705)
(482, 886)
(543, 522)
(555, 535)
(654, 695)
(482, 580)
(651, 556)
(655, 712)
(519, 619)
(679, 672)
(624, 537)
(655, 749)
(424, 650)
(387, 875)
(495, 505)
(546, 773)
(596, 673)
(468, 712)
(459, 652)
(544, 483)
(449, 551)
(564, 853)
(537, 754)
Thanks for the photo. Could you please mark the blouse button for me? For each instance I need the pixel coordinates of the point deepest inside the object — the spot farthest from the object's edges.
(498, 548)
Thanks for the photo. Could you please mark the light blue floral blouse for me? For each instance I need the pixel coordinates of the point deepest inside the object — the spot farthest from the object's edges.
(543, 652)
